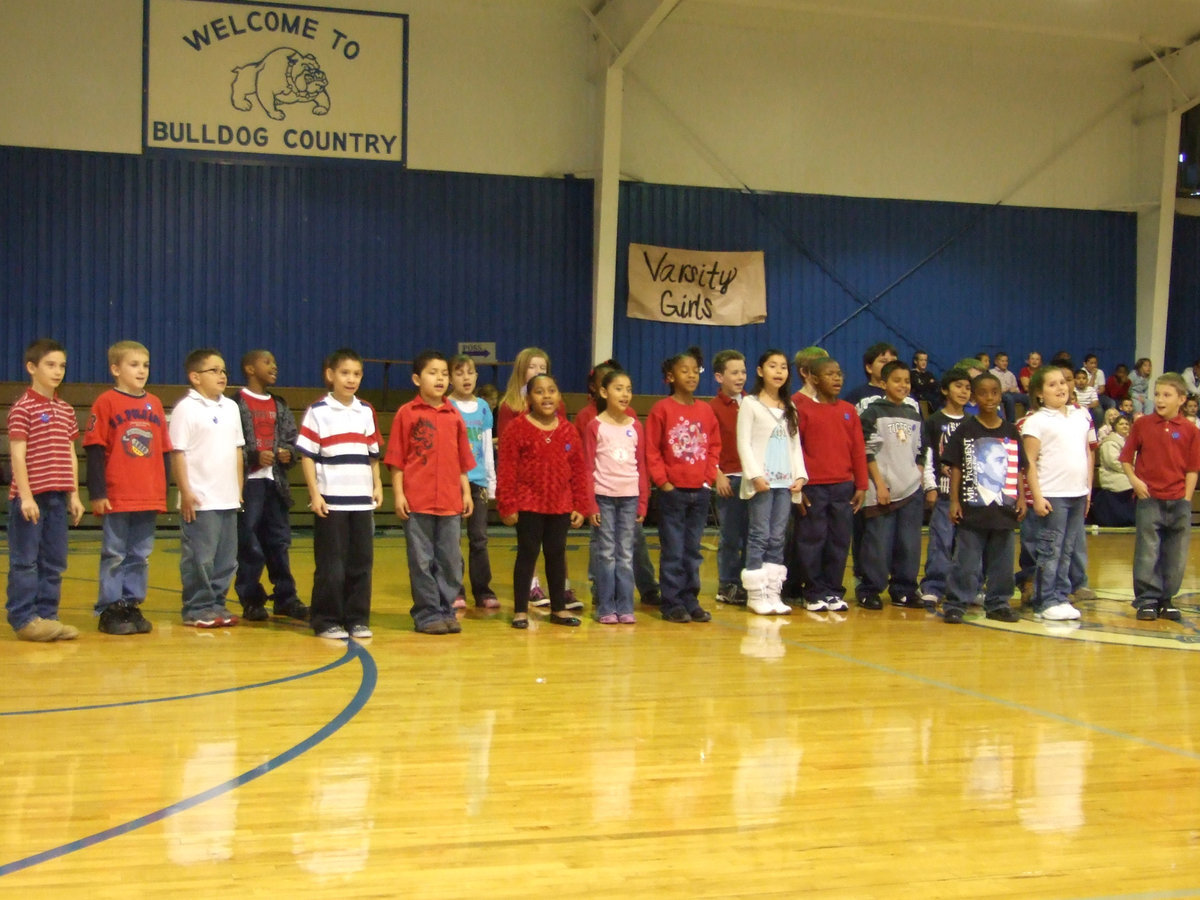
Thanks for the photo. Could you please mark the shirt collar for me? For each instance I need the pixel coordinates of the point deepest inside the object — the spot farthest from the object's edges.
(196, 395)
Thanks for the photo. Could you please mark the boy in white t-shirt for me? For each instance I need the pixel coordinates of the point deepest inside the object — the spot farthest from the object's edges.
(206, 460)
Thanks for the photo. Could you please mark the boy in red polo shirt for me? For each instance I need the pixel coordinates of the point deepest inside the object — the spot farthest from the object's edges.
(729, 370)
(1161, 456)
(429, 454)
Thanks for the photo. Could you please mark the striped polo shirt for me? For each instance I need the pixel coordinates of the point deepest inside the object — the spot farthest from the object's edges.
(49, 428)
(342, 440)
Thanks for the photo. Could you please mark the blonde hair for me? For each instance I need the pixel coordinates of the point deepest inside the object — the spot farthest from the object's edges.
(117, 351)
(514, 397)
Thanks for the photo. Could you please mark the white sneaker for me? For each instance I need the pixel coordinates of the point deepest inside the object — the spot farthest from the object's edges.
(834, 603)
(930, 600)
(1060, 612)
(977, 600)
(817, 605)
(361, 632)
(334, 633)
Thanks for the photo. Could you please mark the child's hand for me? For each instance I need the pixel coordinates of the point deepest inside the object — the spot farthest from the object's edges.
(402, 509)
(722, 486)
(594, 519)
(1140, 488)
(856, 502)
(1042, 507)
(956, 513)
(760, 485)
(1022, 509)
(75, 507)
(101, 507)
(576, 519)
(930, 499)
(319, 507)
(666, 486)
(468, 504)
(640, 519)
(797, 485)
(266, 459)
(883, 496)
(187, 505)
(804, 504)
(284, 456)
(30, 511)
(510, 519)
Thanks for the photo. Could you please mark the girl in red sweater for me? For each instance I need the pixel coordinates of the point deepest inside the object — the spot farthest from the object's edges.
(683, 446)
(542, 488)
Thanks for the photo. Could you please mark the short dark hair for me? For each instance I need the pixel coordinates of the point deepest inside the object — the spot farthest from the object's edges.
(425, 357)
(251, 356)
(894, 366)
(875, 351)
(982, 377)
(952, 375)
(36, 351)
(195, 360)
(341, 354)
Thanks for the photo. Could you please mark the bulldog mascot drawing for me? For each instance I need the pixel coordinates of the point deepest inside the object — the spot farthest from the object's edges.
(282, 76)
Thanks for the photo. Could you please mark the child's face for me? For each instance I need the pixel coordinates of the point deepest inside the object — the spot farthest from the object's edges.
(1122, 426)
(1191, 406)
(1126, 406)
(1091, 364)
(987, 395)
(685, 375)
(1001, 362)
(543, 399)
(1168, 400)
(1055, 390)
(959, 393)
(985, 359)
(47, 373)
(618, 394)
(344, 379)
(1081, 381)
(537, 365)
(462, 380)
(432, 381)
(774, 372)
(1035, 361)
(920, 361)
(132, 371)
(210, 379)
(264, 370)
(875, 369)
(733, 380)
(827, 382)
(1145, 367)
(897, 385)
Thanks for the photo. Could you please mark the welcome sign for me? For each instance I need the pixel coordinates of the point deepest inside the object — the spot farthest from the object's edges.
(698, 287)
(274, 79)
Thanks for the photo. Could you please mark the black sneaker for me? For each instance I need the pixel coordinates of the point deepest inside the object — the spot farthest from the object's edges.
(728, 593)
(139, 622)
(1168, 610)
(1147, 613)
(291, 607)
(1004, 614)
(652, 597)
(870, 601)
(255, 612)
(114, 619)
(909, 601)
(678, 614)
(742, 596)
(700, 615)
(952, 615)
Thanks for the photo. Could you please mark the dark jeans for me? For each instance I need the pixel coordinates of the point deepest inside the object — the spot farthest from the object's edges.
(682, 515)
(989, 552)
(546, 534)
(891, 550)
(940, 550)
(264, 537)
(434, 566)
(344, 553)
(37, 557)
(821, 539)
(734, 513)
(1160, 549)
(479, 565)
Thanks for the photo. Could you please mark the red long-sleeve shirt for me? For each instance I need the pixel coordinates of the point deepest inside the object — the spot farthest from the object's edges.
(683, 443)
(832, 439)
(542, 471)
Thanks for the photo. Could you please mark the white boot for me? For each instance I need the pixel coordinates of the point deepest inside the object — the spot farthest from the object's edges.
(776, 576)
(757, 599)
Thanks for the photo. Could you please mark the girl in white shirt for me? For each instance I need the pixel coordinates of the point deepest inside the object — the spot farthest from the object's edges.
(773, 473)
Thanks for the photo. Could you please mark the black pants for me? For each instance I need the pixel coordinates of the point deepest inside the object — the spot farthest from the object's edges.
(344, 550)
(545, 533)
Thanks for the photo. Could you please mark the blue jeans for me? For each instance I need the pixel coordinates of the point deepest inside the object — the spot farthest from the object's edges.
(1010, 401)
(940, 549)
(1026, 563)
(821, 540)
(682, 514)
(207, 559)
(734, 513)
(769, 513)
(1160, 549)
(891, 550)
(37, 557)
(1056, 536)
(128, 539)
(264, 537)
(434, 566)
(989, 552)
(612, 555)
(644, 576)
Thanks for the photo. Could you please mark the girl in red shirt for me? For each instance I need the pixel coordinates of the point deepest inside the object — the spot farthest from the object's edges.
(542, 489)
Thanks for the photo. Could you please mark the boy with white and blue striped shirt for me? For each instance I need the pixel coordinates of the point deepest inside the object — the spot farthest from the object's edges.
(339, 449)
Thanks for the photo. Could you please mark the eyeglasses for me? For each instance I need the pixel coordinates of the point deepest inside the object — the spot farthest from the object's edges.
(212, 371)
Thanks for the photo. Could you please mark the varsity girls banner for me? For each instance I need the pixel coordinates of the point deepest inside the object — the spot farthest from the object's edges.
(272, 79)
(699, 287)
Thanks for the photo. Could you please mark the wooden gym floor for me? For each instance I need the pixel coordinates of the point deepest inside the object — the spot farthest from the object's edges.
(870, 754)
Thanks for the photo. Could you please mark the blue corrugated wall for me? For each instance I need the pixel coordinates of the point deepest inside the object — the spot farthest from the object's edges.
(1005, 278)
(1183, 319)
(300, 259)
